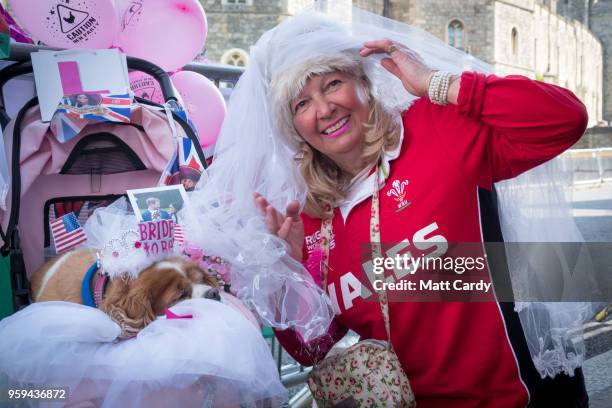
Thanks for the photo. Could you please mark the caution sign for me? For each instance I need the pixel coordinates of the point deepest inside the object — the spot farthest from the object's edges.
(147, 93)
(70, 18)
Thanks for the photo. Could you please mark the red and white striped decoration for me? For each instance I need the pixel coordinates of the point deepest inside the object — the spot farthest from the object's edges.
(179, 237)
(67, 232)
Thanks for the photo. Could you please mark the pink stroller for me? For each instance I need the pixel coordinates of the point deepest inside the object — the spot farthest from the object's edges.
(50, 179)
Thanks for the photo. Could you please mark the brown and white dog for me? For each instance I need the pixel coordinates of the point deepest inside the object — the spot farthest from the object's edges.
(132, 303)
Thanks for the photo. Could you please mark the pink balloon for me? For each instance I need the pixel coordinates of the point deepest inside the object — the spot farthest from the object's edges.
(69, 24)
(204, 103)
(169, 33)
(145, 86)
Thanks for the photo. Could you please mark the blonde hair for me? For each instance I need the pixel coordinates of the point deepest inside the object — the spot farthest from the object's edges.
(327, 183)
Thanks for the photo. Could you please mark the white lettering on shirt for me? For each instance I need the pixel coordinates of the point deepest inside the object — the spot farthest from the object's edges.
(348, 281)
(312, 241)
(352, 288)
(331, 290)
(437, 241)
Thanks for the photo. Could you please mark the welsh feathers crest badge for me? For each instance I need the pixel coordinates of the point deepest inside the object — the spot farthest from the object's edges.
(398, 193)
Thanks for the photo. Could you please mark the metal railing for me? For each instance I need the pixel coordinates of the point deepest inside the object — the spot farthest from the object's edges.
(589, 166)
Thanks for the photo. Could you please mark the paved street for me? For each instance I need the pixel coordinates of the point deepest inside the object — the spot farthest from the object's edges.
(597, 371)
(592, 209)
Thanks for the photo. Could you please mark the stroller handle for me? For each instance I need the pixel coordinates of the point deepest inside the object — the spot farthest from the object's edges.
(156, 72)
(162, 77)
(14, 70)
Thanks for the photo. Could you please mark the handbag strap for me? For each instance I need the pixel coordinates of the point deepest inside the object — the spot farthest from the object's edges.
(326, 232)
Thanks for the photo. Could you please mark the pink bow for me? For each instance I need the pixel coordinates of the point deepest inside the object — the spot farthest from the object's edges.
(171, 315)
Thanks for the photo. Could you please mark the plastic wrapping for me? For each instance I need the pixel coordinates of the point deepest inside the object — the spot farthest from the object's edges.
(263, 275)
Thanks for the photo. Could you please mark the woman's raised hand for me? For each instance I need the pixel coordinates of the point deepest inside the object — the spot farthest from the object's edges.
(402, 62)
(288, 227)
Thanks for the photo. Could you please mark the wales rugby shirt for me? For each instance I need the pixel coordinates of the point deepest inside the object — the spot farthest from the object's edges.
(456, 354)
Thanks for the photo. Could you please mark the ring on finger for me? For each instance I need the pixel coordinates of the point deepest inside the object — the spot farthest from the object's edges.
(392, 48)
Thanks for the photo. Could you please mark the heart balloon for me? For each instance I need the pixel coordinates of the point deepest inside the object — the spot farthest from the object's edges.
(204, 103)
(69, 23)
(169, 33)
(146, 87)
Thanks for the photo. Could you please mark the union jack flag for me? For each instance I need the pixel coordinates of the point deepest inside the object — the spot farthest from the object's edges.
(69, 120)
(184, 158)
(117, 109)
(66, 125)
(67, 232)
(179, 237)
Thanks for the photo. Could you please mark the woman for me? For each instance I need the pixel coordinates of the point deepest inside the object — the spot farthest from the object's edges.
(82, 101)
(463, 133)
(173, 210)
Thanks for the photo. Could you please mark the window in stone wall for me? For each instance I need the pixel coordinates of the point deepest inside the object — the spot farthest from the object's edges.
(236, 3)
(514, 41)
(236, 57)
(455, 34)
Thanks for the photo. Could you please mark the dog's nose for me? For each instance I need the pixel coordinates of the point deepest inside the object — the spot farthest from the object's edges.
(213, 294)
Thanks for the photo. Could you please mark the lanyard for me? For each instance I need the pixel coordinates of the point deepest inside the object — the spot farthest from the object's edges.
(326, 232)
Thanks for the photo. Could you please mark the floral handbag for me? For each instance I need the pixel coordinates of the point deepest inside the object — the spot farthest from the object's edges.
(369, 373)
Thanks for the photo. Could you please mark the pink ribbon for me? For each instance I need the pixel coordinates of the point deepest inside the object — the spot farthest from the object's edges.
(171, 315)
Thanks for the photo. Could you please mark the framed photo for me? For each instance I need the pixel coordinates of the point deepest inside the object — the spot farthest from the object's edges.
(158, 203)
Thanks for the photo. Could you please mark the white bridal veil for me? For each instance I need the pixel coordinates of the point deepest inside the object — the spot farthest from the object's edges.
(251, 155)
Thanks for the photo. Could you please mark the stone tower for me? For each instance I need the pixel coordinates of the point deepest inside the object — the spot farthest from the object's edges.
(527, 37)
(596, 15)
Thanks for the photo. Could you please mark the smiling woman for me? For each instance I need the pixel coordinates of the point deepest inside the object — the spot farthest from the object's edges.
(330, 116)
(395, 146)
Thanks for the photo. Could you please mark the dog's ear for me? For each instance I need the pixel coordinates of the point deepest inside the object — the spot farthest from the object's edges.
(130, 307)
(198, 275)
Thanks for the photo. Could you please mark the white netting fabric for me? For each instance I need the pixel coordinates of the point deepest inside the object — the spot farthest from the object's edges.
(252, 155)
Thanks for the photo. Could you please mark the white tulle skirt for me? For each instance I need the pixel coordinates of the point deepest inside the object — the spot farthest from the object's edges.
(215, 359)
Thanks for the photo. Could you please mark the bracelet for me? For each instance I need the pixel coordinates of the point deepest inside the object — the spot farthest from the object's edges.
(438, 87)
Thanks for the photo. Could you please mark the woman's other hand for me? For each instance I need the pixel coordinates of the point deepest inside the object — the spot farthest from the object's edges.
(288, 227)
(402, 62)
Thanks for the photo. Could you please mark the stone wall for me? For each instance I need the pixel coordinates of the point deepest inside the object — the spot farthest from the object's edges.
(435, 15)
(373, 6)
(239, 25)
(552, 48)
(595, 137)
(519, 17)
(549, 47)
(600, 21)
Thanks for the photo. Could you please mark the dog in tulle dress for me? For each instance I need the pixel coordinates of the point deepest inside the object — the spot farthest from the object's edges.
(132, 303)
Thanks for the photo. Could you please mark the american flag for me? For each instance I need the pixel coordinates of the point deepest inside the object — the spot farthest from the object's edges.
(67, 232)
(179, 238)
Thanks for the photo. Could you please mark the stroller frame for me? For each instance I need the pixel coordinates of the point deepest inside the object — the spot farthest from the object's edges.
(11, 247)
